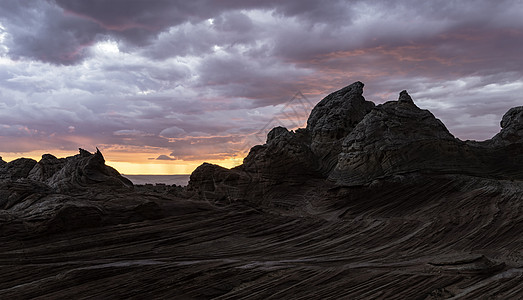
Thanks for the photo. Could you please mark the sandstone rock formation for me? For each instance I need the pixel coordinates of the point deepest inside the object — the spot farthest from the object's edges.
(55, 195)
(84, 170)
(350, 141)
(511, 128)
(16, 169)
(332, 119)
(397, 137)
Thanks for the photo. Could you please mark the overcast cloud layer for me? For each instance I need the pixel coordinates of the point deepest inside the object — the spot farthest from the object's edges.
(198, 80)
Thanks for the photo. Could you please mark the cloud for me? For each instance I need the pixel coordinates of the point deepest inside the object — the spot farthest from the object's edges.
(130, 132)
(39, 30)
(165, 157)
(198, 78)
(173, 132)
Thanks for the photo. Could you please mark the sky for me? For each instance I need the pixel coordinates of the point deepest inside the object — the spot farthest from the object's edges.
(160, 86)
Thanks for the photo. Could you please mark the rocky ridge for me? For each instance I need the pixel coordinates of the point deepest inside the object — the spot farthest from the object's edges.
(54, 195)
(351, 142)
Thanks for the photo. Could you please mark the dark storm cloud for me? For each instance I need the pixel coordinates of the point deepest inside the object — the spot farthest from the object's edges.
(120, 15)
(59, 31)
(39, 30)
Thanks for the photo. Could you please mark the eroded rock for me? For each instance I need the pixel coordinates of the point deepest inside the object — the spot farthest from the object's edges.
(395, 137)
(332, 119)
(16, 169)
(64, 194)
(87, 170)
(352, 142)
(511, 128)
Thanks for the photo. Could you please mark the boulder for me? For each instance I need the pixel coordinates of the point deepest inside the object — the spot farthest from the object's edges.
(16, 169)
(511, 128)
(46, 168)
(86, 170)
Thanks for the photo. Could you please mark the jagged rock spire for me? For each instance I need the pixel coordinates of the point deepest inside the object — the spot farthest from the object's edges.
(405, 97)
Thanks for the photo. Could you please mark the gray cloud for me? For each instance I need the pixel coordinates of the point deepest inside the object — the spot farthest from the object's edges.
(39, 30)
(197, 78)
(164, 157)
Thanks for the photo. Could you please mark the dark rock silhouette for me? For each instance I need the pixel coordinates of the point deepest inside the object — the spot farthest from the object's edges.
(18, 168)
(397, 137)
(87, 170)
(511, 128)
(351, 142)
(332, 119)
(367, 202)
(55, 195)
(405, 97)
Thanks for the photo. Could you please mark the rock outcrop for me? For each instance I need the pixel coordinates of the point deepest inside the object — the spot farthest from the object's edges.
(285, 156)
(285, 160)
(511, 128)
(63, 194)
(16, 169)
(46, 168)
(350, 141)
(397, 138)
(85, 170)
(332, 119)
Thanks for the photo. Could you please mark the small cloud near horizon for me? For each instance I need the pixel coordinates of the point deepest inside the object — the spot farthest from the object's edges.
(165, 157)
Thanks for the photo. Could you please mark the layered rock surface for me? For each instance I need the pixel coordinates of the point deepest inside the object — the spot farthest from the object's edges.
(397, 137)
(332, 119)
(55, 195)
(351, 141)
